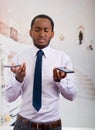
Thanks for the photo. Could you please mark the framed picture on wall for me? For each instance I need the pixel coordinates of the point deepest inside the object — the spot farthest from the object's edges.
(13, 34)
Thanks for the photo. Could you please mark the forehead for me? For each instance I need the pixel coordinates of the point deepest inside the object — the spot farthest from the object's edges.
(42, 22)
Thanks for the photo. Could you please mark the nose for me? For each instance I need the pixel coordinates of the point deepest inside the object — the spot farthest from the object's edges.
(42, 33)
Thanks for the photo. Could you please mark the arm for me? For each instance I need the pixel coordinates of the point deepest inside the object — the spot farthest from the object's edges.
(65, 83)
(14, 87)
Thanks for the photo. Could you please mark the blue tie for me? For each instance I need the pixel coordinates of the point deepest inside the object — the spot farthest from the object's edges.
(37, 88)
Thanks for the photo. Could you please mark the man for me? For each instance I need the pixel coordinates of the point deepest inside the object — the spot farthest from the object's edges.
(54, 81)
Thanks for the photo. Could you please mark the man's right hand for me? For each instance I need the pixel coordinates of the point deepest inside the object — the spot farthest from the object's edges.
(20, 72)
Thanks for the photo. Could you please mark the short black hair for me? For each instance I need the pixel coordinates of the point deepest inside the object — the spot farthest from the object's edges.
(43, 16)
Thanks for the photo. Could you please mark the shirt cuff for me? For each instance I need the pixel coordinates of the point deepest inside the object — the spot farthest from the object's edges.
(61, 83)
(16, 82)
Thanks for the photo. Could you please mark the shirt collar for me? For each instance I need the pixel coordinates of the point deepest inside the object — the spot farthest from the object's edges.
(46, 51)
(34, 50)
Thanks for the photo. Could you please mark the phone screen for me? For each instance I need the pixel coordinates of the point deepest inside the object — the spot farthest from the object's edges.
(65, 70)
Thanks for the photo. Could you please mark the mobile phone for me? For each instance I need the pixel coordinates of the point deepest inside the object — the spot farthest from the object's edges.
(66, 70)
(9, 66)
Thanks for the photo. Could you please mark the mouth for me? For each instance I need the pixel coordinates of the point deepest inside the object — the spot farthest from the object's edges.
(41, 40)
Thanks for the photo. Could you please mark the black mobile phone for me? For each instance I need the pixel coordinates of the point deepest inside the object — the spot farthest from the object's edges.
(9, 66)
(65, 70)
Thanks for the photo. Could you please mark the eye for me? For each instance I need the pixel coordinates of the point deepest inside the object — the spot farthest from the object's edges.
(37, 30)
(46, 30)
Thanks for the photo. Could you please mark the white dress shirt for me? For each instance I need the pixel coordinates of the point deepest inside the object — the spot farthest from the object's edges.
(50, 89)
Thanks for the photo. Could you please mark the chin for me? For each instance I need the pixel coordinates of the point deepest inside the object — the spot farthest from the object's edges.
(41, 46)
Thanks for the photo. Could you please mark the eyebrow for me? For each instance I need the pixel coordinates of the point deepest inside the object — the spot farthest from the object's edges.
(45, 28)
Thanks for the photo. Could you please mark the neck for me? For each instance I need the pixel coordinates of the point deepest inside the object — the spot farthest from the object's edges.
(40, 46)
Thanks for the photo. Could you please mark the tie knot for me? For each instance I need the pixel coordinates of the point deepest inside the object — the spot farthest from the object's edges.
(40, 52)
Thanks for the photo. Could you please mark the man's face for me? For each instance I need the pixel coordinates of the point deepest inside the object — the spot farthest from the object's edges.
(41, 32)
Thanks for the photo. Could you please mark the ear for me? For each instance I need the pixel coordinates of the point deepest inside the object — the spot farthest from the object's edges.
(52, 34)
(30, 32)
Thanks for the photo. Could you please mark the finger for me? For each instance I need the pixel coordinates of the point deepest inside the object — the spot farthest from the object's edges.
(55, 73)
(24, 67)
(58, 74)
(20, 69)
(13, 69)
(63, 75)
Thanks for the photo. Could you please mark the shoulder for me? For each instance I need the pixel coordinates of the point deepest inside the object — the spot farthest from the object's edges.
(23, 54)
(61, 53)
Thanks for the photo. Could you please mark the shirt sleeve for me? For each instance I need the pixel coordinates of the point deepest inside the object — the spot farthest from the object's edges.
(13, 89)
(67, 87)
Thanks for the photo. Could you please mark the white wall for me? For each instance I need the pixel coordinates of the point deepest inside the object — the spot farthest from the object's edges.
(68, 26)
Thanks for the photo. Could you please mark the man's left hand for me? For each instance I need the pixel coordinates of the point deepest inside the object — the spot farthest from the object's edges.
(58, 75)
